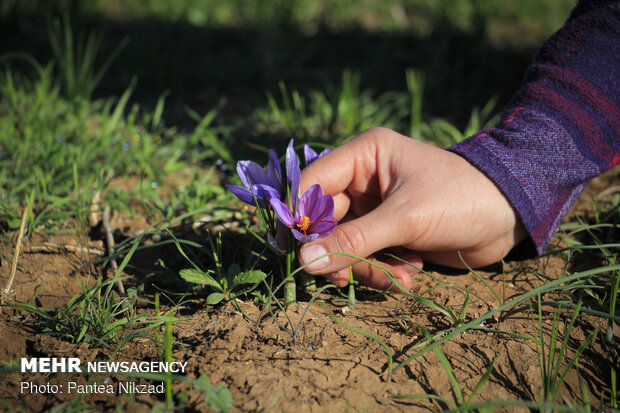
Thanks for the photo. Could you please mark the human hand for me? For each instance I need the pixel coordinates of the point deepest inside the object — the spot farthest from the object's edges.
(393, 191)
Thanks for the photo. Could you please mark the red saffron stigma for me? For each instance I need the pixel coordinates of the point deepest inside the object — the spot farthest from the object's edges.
(303, 222)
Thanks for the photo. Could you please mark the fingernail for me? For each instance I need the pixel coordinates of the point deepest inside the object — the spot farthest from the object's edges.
(403, 283)
(312, 252)
(386, 284)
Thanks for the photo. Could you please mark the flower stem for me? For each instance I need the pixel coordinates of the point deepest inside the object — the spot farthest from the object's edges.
(351, 297)
(308, 281)
(290, 294)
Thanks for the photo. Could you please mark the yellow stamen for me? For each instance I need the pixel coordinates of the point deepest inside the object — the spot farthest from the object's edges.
(303, 223)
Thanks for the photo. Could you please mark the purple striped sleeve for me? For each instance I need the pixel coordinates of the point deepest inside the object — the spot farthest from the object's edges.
(562, 128)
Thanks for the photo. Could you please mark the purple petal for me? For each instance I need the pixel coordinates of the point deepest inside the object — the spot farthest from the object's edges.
(241, 168)
(309, 154)
(323, 228)
(324, 152)
(243, 194)
(293, 173)
(265, 192)
(303, 238)
(310, 201)
(274, 171)
(251, 173)
(324, 210)
(274, 242)
(282, 211)
(281, 236)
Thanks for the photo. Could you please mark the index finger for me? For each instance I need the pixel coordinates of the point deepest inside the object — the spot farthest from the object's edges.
(355, 162)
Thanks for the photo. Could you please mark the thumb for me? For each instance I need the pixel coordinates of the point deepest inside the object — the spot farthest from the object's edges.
(360, 237)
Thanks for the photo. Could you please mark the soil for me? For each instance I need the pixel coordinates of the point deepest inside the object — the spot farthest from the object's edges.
(308, 362)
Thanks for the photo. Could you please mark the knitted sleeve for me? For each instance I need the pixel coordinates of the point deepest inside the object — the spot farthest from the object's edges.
(562, 128)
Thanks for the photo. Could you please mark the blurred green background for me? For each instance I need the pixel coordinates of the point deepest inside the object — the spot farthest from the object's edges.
(203, 50)
(171, 93)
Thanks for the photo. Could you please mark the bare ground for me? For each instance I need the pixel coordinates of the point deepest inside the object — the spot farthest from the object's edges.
(325, 367)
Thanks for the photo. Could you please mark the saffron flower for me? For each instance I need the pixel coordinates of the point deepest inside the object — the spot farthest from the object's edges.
(260, 185)
(293, 172)
(311, 155)
(311, 215)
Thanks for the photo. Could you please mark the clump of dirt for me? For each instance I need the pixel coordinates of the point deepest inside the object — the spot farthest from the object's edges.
(306, 362)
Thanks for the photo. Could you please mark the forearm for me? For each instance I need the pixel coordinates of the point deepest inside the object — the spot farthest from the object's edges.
(562, 127)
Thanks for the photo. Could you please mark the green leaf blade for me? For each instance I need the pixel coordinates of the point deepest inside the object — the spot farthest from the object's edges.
(249, 277)
(199, 277)
(215, 298)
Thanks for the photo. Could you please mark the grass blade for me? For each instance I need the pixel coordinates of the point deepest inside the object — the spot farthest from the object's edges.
(454, 384)
(524, 297)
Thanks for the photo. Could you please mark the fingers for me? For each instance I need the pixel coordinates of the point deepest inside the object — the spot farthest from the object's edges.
(334, 171)
(478, 256)
(360, 237)
(374, 276)
(352, 163)
(342, 202)
(360, 176)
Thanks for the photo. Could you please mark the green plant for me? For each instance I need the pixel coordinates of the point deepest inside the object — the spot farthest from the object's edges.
(500, 301)
(217, 396)
(96, 316)
(351, 292)
(561, 284)
(196, 191)
(57, 151)
(212, 141)
(459, 401)
(57, 155)
(168, 358)
(599, 235)
(415, 85)
(445, 133)
(227, 286)
(338, 114)
(77, 61)
(551, 359)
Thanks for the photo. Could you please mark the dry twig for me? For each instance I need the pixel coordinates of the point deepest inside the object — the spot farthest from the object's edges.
(95, 206)
(18, 245)
(52, 247)
(612, 190)
(95, 212)
(110, 240)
